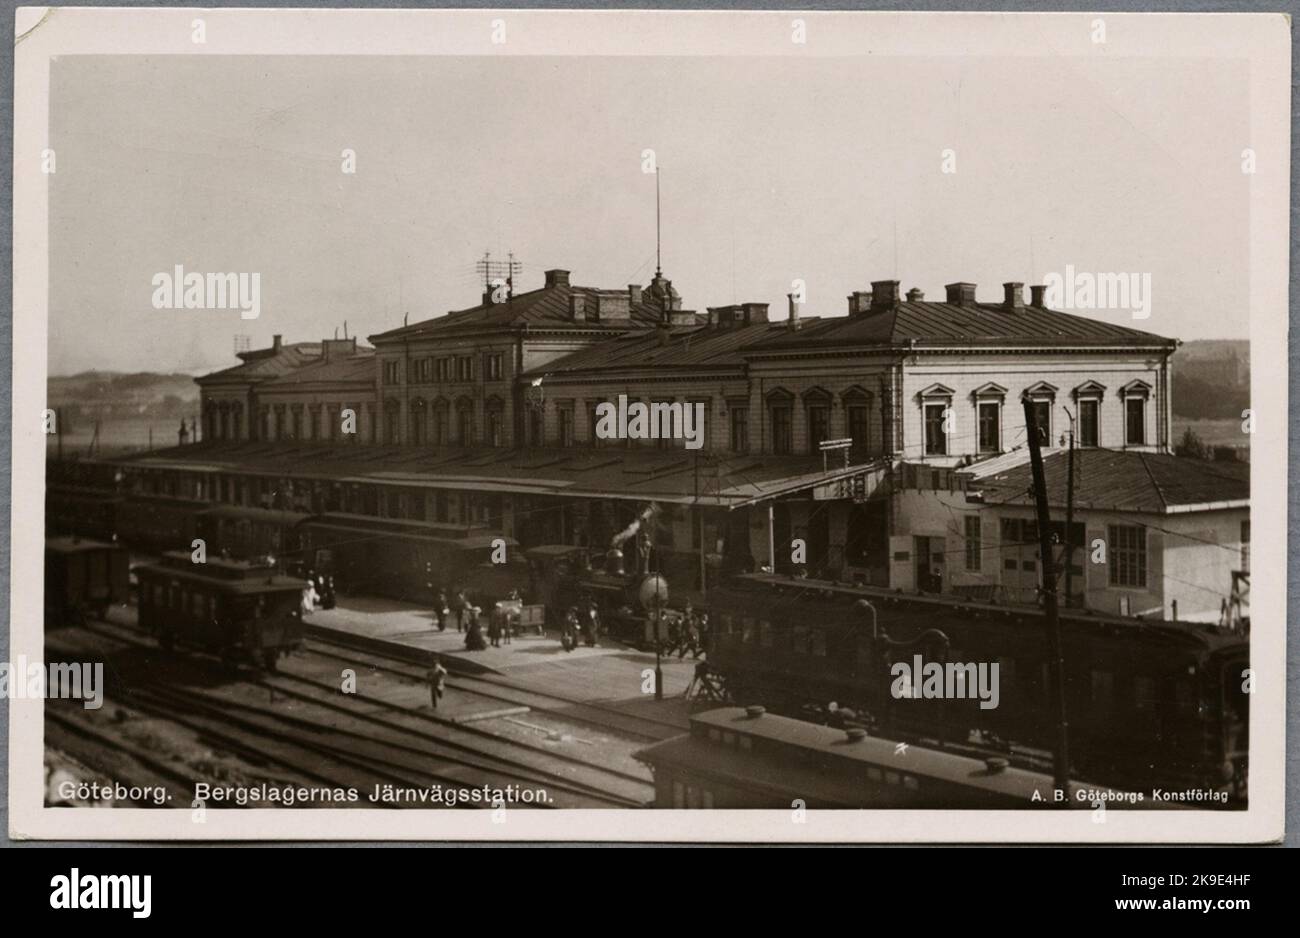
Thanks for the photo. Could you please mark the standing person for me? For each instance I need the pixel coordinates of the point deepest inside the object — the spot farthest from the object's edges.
(474, 634)
(437, 682)
(494, 628)
(569, 632)
(702, 644)
(460, 606)
(440, 610)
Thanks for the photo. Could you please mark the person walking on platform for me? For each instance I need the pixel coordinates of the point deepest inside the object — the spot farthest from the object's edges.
(474, 634)
(440, 610)
(437, 682)
(494, 628)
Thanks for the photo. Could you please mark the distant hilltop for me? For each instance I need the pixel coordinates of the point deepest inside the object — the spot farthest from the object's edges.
(123, 394)
(1212, 378)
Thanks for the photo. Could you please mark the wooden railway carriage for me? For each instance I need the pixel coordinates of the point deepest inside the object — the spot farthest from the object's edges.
(746, 758)
(400, 559)
(81, 511)
(251, 532)
(237, 609)
(1147, 701)
(159, 522)
(83, 576)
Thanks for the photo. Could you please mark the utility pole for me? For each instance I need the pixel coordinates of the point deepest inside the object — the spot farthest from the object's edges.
(1069, 518)
(1056, 664)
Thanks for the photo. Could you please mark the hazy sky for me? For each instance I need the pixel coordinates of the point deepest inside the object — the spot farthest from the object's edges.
(827, 170)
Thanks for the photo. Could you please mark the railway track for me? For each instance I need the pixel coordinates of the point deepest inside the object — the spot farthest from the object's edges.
(361, 747)
(589, 712)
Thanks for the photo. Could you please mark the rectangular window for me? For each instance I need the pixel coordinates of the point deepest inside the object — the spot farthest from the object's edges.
(492, 366)
(859, 426)
(1089, 434)
(1135, 424)
(936, 440)
(1043, 418)
(781, 443)
(464, 368)
(1128, 555)
(1144, 693)
(442, 369)
(1103, 688)
(990, 413)
(972, 542)
(739, 427)
(392, 372)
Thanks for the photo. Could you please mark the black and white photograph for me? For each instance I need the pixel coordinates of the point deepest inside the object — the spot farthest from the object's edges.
(579, 425)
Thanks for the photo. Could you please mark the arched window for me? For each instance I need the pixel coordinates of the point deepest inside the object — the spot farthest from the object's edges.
(780, 406)
(817, 410)
(857, 418)
(464, 422)
(419, 421)
(392, 415)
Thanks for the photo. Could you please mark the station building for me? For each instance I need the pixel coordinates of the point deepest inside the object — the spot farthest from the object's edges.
(486, 416)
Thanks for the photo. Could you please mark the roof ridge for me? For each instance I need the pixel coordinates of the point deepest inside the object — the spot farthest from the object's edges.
(1160, 492)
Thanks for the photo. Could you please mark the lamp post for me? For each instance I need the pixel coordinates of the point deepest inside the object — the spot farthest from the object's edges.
(653, 595)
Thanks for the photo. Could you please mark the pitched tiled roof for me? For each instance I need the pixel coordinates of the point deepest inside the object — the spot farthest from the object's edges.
(942, 324)
(1121, 480)
(692, 347)
(546, 308)
(358, 367)
(264, 363)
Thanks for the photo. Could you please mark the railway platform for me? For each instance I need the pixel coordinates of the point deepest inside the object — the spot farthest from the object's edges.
(611, 671)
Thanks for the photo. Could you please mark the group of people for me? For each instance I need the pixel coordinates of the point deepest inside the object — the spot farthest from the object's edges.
(467, 615)
(581, 624)
(319, 592)
(687, 632)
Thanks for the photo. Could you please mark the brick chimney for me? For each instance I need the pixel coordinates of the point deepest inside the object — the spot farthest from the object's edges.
(276, 342)
(1015, 295)
(960, 293)
(859, 302)
(884, 294)
(915, 295)
(794, 313)
(634, 294)
(1037, 296)
(557, 278)
(755, 312)
(613, 307)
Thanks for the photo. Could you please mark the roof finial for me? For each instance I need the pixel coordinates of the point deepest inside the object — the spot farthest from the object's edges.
(659, 267)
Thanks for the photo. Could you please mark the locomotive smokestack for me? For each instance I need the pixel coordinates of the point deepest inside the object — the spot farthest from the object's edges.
(617, 540)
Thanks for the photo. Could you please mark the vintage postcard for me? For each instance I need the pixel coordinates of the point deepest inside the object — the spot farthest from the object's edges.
(662, 426)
